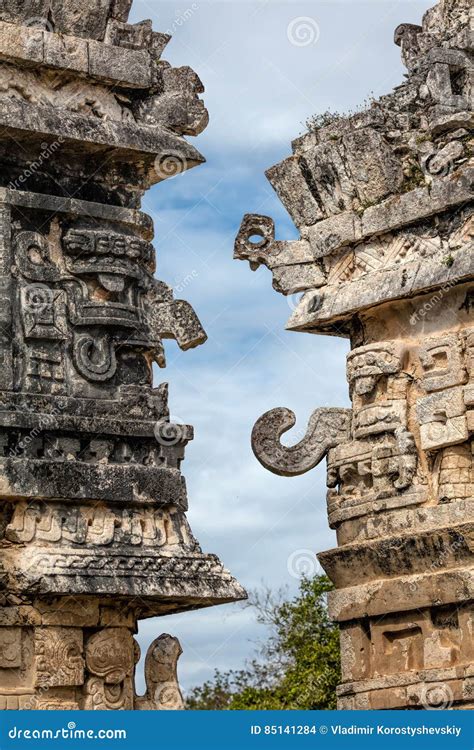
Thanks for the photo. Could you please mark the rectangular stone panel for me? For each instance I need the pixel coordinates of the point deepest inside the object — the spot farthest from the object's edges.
(59, 656)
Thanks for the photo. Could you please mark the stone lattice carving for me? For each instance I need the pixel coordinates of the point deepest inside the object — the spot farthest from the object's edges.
(93, 530)
(383, 201)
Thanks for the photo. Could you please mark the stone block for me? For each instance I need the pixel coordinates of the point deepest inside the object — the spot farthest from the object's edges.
(59, 656)
(132, 68)
(10, 648)
(328, 236)
(66, 52)
(23, 11)
(288, 180)
(442, 419)
(375, 169)
(21, 43)
(69, 612)
(78, 19)
(442, 362)
(297, 278)
(326, 170)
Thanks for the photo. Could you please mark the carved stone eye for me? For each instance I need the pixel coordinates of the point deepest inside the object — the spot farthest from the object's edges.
(36, 254)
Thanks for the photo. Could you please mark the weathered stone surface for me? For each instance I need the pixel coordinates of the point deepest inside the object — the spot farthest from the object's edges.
(17, 43)
(292, 263)
(287, 178)
(93, 531)
(62, 91)
(327, 428)
(162, 687)
(384, 204)
(108, 61)
(58, 653)
(66, 16)
(110, 657)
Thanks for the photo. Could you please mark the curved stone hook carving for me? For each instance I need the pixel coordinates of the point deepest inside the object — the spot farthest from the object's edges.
(326, 429)
(406, 37)
(95, 357)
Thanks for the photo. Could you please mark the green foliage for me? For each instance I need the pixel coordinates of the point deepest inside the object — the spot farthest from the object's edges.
(413, 176)
(297, 667)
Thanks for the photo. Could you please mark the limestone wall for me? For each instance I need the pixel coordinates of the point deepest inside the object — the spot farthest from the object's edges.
(383, 201)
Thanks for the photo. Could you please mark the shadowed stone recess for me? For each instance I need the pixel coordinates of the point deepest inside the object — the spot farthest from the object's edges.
(383, 201)
(93, 528)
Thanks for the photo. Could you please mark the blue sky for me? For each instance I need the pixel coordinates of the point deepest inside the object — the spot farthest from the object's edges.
(260, 89)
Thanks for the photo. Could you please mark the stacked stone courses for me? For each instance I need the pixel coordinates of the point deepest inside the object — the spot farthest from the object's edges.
(93, 528)
(383, 200)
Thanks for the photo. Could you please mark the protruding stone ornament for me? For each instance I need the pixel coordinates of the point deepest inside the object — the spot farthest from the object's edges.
(94, 533)
(327, 428)
(384, 204)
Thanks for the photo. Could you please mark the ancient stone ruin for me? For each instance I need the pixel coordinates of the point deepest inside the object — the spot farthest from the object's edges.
(383, 201)
(93, 528)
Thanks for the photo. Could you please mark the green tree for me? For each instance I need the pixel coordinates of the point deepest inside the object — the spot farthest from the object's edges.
(297, 667)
